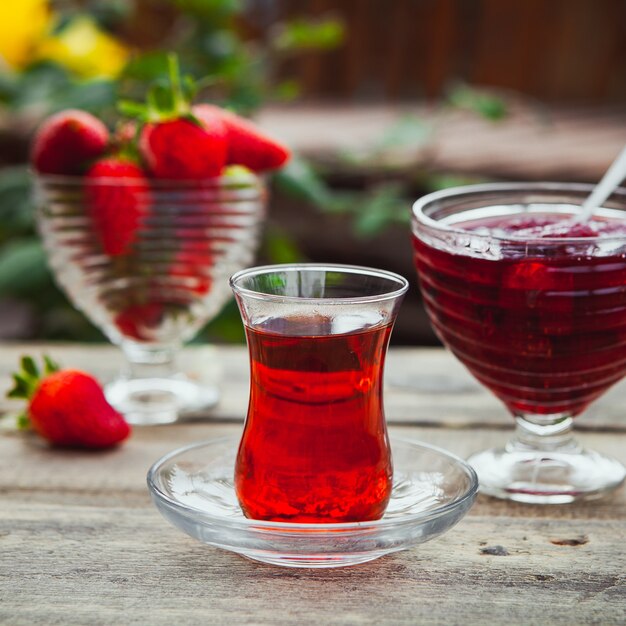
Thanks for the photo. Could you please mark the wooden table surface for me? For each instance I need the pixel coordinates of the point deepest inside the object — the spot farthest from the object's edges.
(81, 543)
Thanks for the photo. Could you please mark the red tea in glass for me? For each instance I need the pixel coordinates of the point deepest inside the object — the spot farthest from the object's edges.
(315, 446)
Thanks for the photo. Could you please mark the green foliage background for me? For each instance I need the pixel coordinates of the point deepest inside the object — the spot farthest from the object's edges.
(235, 70)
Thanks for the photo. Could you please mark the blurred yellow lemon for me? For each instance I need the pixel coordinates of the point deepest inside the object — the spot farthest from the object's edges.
(22, 25)
(85, 50)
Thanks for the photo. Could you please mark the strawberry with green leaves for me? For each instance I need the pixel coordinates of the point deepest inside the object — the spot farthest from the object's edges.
(67, 407)
(174, 143)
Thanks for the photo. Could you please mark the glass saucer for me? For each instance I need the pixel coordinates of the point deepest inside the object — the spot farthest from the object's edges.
(193, 489)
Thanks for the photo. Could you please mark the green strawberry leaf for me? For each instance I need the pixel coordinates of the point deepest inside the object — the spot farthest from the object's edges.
(27, 379)
(190, 117)
(181, 104)
(50, 366)
(21, 388)
(161, 102)
(166, 99)
(132, 109)
(22, 421)
(29, 366)
(189, 87)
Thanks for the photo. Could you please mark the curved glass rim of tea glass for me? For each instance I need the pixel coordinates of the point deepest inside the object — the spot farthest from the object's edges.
(543, 463)
(283, 283)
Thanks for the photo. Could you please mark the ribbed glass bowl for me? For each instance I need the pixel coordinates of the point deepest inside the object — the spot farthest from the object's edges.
(193, 489)
(153, 283)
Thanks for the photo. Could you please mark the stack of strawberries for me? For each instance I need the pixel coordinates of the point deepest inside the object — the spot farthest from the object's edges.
(166, 143)
(167, 139)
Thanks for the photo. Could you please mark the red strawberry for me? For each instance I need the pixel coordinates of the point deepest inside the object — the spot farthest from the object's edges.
(193, 264)
(247, 145)
(117, 197)
(66, 142)
(139, 321)
(68, 407)
(182, 149)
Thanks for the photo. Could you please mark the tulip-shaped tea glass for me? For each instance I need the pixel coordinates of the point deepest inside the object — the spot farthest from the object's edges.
(148, 262)
(532, 301)
(315, 447)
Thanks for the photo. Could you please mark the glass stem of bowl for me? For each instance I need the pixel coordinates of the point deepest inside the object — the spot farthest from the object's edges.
(150, 361)
(547, 433)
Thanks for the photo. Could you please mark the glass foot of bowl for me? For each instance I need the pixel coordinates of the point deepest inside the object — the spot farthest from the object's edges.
(151, 401)
(546, 477)
(193, 489)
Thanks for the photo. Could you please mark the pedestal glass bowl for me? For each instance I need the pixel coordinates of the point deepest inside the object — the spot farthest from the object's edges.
(539, 320)
(155, 279)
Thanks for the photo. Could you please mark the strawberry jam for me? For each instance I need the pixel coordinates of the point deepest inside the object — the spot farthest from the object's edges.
(540, 322)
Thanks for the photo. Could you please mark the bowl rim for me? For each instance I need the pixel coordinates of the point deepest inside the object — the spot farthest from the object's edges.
(245, 524)
(419, 217)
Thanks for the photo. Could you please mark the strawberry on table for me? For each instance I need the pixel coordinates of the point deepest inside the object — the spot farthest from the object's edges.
(247, 145)
(68, 407)
(67, 142)
(117, 196)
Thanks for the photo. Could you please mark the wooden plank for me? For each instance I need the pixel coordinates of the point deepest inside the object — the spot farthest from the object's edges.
(424, 386)
(31, 471)
(402, 32)
(442, 48)
(428, 386)
(105, 565)
(561, 49)
(499, 42)
(583, 38)
(356, 47)
(81, 543)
